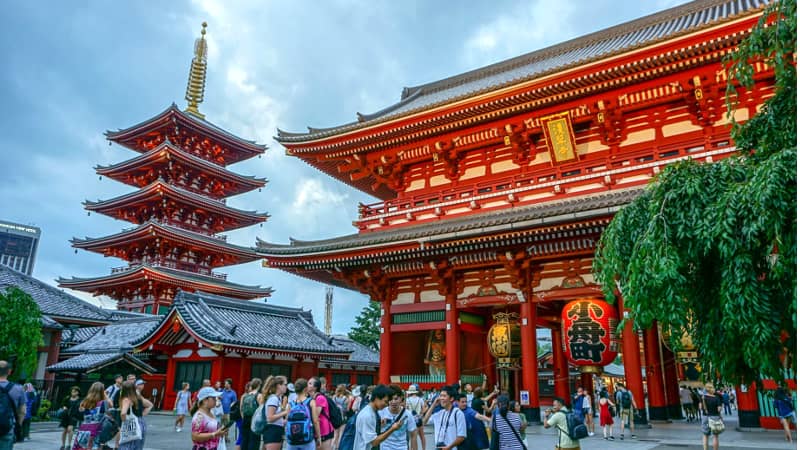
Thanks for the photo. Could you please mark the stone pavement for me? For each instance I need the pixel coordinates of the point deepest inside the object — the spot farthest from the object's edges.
(161, 436)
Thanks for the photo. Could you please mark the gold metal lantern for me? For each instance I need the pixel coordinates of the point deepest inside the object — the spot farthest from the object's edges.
(504, 340)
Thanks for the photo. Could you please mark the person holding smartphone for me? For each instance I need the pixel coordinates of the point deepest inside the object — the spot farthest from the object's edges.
(396, 413)
(449, 423)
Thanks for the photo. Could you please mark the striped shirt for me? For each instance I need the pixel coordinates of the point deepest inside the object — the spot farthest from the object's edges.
(508, 439)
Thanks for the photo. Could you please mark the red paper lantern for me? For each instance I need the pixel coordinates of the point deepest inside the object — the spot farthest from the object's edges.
(589, 329)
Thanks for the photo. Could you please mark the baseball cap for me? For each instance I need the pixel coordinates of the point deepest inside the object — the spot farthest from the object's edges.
(207, 392)
(139, 382)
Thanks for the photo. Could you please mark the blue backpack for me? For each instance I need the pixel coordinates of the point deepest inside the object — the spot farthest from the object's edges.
(348, 438)
(299, 427)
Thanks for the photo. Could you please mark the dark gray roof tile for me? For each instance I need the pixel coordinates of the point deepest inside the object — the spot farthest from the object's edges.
(120, 335)
(52, 301)
(90, 362)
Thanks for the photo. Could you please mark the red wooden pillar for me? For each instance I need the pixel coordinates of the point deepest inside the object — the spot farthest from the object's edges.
(244, 375)
(452, 337)
(671, 377)
(530, 369)
(632, 363)
(560, 367)
(587, 382)
(52, 356)
(747, 406)
(385, 368)
(655, 381)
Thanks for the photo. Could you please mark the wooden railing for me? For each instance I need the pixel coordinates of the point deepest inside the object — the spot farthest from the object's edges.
(608, 170)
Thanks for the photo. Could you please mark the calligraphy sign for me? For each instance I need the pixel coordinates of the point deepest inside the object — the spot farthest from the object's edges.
(589, 327)
(560, 138)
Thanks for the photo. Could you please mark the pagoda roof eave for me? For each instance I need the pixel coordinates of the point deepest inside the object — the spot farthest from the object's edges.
(156, 154)
(137, 273)
(545, 213)
(147, 230)
(578, 52)
(158, 186)
(244, 145)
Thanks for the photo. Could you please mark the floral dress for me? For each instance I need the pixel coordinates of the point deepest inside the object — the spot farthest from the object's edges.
(202, 423)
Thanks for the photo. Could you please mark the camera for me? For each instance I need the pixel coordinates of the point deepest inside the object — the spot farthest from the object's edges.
(441, 445)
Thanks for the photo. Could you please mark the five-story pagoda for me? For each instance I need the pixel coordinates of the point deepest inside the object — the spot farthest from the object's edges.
(178, 209)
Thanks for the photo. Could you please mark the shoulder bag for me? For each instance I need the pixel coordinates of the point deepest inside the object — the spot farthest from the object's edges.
(130, 430)
(514, 430)
(715, 423)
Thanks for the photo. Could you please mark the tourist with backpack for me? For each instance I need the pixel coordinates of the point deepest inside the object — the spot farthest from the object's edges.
(566, 425)
(329, 416)
(273, 412)
(302, 420)
(341, 400)
(627, 407)
(476, 429)
(249, 405)
(12, 407)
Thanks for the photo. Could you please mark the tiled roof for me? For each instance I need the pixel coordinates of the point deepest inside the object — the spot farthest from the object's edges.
(49, 323)
(74, 336)
(174, 276)
(90, 362)
(120, 335)
(580, 51)
(361, 353)
(52, 301)
(255, 325)
(539, 214)
(173, 110)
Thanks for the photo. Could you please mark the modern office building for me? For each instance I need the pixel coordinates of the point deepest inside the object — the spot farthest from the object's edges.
(18, 244)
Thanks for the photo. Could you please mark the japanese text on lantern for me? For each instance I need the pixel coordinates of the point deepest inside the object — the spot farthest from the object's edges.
(586, 332)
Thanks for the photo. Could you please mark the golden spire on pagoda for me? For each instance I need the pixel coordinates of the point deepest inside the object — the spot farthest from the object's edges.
(197, 75)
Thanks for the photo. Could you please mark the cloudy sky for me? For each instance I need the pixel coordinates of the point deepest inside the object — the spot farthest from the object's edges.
(72, 70)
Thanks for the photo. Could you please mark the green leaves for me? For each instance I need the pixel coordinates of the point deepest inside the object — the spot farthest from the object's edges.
(710, 249)
(367, 330)
(20, 330)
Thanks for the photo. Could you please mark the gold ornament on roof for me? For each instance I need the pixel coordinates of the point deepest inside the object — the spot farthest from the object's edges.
(196, 86)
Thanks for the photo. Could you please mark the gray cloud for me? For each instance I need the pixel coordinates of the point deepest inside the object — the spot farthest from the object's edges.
(71, 71)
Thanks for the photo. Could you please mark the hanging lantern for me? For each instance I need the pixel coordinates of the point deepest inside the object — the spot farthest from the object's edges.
(589, 329)
(504, 340)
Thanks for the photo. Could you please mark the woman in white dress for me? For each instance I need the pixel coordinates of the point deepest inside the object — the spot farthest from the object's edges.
(182, 405)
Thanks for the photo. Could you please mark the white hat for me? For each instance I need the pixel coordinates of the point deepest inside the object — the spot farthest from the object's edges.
(139, 382)
(413, 389)
(290, 387)
(357, 391)
(207, 392)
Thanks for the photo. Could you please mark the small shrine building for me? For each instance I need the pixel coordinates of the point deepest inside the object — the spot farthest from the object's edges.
(495, 185)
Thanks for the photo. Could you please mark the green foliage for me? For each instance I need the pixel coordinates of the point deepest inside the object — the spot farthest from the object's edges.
(710, 249)
(20, 330)
(43, 413)
(367, 329)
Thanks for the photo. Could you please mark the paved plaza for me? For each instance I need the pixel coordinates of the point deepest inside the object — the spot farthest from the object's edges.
(160, 436)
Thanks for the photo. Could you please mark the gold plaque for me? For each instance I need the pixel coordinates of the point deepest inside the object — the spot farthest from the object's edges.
(560, 138)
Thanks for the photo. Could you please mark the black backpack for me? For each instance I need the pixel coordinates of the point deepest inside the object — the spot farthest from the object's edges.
(576, 428)
(8, 412)
(625, 399)
(335, 417)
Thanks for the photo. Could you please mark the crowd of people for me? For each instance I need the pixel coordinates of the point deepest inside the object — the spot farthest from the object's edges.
(307, 415)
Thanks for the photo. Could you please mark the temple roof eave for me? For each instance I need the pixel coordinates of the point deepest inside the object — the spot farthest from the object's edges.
(158, 188)
(646, 31)
(541, 214)
(117, 170)
(243, 144)
(153, 230)
(139, 272)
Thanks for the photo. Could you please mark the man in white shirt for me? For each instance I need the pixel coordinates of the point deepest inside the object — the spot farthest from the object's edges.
(368, 423)
(396, 412)
(449, 423)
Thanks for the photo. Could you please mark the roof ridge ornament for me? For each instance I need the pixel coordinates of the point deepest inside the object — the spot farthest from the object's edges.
(195, 88)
